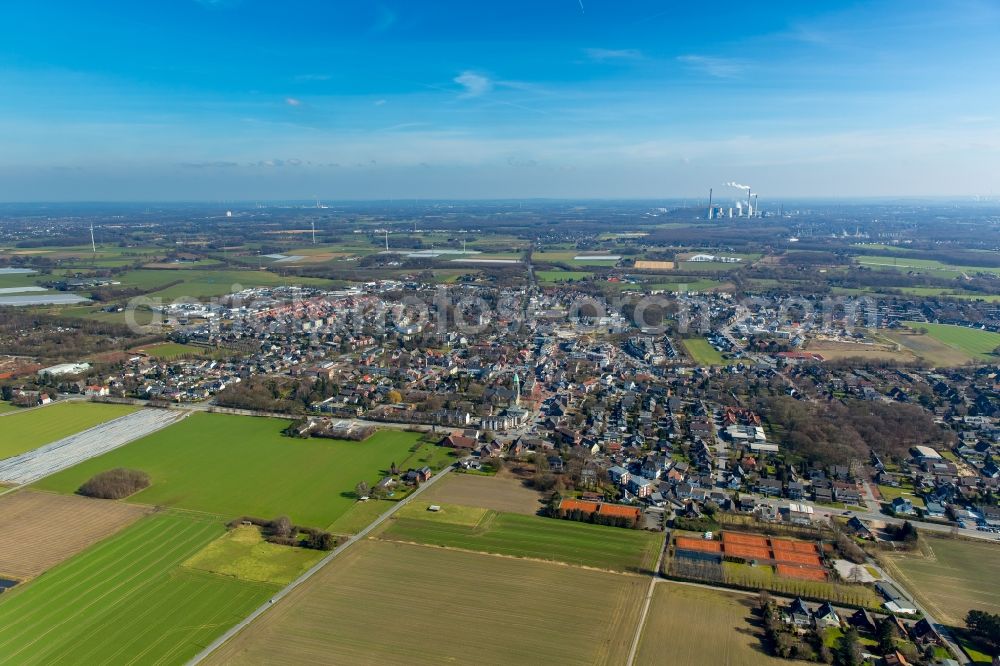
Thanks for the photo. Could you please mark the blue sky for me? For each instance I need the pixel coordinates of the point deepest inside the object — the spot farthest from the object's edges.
(257, 99)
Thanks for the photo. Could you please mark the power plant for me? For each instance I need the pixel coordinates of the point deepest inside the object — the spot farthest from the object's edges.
(742, 209)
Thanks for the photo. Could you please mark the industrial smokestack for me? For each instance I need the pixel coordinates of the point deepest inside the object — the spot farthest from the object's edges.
(749, 207)
(710, 212)
(756, 210)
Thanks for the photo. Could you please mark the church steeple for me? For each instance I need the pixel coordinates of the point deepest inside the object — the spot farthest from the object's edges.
(517, 390)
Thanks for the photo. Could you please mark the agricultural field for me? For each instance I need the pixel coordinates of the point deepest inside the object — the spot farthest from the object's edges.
(486, 610)
(127, 599)
(702, 352)
(678, 284)
(952, 579)
(31, 429)
(208, 283)
(929, 266)
(43, 529)
(241, 465)
(533, 537)
(568, 257)
(360, 516)
(171, 350)
(833, 350)
(976, 344)
(927, 347)
(499, 493)
(556, 277)
(242, 553)
(690, 625)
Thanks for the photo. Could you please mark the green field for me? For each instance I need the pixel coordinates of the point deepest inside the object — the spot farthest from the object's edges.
(241, 465)
(974, 342)
(31, 429)
(244, 554)
(929, 266)
(702, 352)
(957, 576)
(6, 407)
(126, 599)
(172, 350)
(207, 283)
(677, 284)
(554, 277)
(539, 538)
(568, 258)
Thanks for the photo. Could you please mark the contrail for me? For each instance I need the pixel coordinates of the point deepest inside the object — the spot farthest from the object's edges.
(582, 10)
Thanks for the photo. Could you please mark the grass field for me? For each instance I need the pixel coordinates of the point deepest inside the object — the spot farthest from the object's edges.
(535, 537)
(390, 603)
(702, 352)
(689, 625)
(930, 266)
(126, 600)
(928, 348)
(171, 350)
(359, 516)
(975, 343)
(238, 465)
(207, 283)
(678, 284)
(555, 277)
(242, 553)
(43, 529)
(959, 576)
(31, 429)
(569, 258)
(6, 407)
(500, 493)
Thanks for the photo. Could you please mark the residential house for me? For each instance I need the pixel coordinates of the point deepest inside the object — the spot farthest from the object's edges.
(826, 616)
(903, 506)
(797, 613)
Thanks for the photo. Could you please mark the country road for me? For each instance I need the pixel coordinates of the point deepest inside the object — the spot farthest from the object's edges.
(214, 645)
(649, 598)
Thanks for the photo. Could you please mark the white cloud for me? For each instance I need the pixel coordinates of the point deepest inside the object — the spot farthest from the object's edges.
(379, 102)
(602, 55)
(291, 101)
(474, 84)
(722, 68)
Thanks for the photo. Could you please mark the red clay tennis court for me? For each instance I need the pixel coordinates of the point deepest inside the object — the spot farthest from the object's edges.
(787, 545)
(748, 552)
(699, 545)
(801, 573)
(797, 558)
(744, 539)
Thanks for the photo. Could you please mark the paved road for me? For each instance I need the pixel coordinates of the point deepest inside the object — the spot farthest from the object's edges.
(649, 599)
(214, 645)
(823, 513)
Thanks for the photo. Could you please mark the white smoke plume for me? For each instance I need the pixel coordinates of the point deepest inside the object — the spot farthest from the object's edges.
(738, 186)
